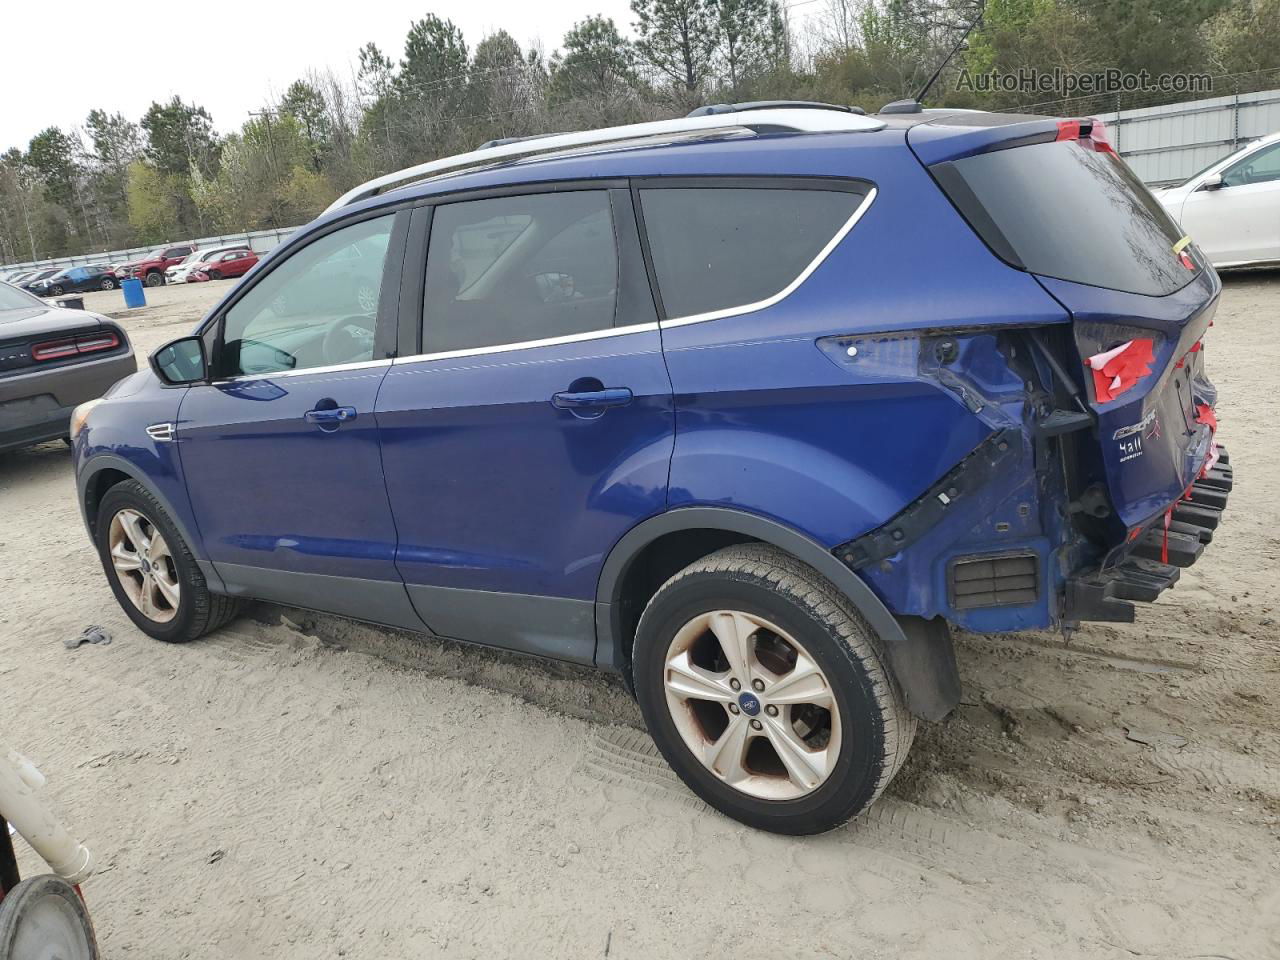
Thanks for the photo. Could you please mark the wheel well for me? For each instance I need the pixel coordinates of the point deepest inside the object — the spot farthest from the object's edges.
(96, 489)
(653, 566)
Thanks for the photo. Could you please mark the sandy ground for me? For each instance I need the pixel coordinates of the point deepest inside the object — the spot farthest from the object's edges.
(304, 787)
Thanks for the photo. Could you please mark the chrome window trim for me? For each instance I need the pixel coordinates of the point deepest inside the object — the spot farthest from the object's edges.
(601, 334)
(329, 368)
(791, 287)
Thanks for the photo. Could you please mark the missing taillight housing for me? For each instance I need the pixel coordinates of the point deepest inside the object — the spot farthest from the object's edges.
(1091, 132)
(74, 346)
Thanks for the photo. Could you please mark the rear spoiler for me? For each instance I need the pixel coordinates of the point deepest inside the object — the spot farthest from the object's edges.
(950, 139)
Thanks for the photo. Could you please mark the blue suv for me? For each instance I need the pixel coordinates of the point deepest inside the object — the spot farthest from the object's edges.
(748, 407)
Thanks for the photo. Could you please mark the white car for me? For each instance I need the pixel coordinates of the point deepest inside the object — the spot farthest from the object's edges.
(1232, 208)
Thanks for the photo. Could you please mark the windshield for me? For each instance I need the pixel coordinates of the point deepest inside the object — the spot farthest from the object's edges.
(195, 256)
(1210, 166)
(12, 298)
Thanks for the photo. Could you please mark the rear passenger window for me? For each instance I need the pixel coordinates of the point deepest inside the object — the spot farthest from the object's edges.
(719, 248)
(513, 269)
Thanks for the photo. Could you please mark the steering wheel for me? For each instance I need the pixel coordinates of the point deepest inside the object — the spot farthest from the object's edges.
(350, 338)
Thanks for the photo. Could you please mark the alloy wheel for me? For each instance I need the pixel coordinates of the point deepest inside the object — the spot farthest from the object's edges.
(144, 566)
(752, 705)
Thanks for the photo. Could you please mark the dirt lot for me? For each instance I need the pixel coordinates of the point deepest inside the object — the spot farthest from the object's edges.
(308, 788)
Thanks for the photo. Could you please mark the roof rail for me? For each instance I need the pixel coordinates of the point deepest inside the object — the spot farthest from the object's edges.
(712, 109)
(761, 121)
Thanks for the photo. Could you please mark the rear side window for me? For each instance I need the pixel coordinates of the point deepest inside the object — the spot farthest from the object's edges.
(1063, 209)
(513, 269)
(722, 248)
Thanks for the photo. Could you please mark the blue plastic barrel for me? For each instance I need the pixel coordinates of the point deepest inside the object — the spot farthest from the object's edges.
(133, 295)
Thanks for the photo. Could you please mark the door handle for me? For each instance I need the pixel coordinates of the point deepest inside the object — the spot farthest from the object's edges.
(592, 399)
(330, 416)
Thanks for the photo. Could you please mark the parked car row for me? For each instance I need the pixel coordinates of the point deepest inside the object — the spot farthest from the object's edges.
(184, 263)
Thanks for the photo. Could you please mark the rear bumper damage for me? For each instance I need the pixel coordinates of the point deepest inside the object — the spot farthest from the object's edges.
(1151, 561)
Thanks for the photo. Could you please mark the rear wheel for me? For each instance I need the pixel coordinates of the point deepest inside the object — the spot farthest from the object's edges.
(765, 691)
(155, 278)
(151, 570)
(43, 918)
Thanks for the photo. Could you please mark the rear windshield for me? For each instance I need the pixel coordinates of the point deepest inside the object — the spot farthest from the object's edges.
(1066, 210)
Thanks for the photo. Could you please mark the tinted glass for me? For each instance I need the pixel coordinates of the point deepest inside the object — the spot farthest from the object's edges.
(317, 307)
(716, 248)
(1260, 167)
(513, 269)
(1069, 211)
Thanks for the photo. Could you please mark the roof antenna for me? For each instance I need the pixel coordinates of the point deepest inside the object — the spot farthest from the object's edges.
(982, 7)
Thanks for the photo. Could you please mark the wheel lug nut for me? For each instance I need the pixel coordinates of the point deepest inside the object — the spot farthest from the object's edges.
(771, 710)
(756, 725)
(735, 684)
(758, 685)
(733, 708)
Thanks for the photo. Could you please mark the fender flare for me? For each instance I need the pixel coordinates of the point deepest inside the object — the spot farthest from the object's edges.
(920, 652)
(111, 461)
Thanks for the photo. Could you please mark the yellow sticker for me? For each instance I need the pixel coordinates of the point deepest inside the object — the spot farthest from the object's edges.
(1182, 244)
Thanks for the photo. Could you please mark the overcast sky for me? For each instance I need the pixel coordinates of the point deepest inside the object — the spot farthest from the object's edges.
(62, 59)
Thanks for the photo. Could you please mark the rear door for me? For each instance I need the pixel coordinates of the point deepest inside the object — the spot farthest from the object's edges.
(533, 427)
(281, 449)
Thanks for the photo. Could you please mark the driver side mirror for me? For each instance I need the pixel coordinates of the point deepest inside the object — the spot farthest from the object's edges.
(1212, 182)
(181, 362)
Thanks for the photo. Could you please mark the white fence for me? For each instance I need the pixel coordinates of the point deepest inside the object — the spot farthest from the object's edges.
(258, 240)
(1168, 144)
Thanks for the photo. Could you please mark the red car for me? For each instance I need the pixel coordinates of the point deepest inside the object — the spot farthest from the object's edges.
(231, 263)
(150, 269)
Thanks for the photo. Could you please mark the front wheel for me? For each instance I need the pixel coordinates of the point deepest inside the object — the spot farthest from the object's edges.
(766, 692)
(155, 278)
(44, 917)
(215, 275)
(56, 291)
(151, 570)
(108, 283)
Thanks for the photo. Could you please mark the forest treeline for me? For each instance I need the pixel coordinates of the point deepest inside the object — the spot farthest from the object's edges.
(114, 181)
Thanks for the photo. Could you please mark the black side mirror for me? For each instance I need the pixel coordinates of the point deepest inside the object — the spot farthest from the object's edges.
(181, 362)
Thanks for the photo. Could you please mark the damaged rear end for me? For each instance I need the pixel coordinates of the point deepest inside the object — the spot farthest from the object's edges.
(1103, 428)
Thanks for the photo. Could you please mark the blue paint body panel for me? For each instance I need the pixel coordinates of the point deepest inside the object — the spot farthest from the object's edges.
(494, 488)
(271, 490)
(828, 412)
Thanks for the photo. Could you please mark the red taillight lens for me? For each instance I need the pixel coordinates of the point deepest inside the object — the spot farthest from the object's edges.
(61, 349)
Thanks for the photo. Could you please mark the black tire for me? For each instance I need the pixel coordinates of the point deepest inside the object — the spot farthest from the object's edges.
(56, 291)
(155, 278)
(44, 916)
(199, 611)
(765, 582)
(215, 275)
(108, 283)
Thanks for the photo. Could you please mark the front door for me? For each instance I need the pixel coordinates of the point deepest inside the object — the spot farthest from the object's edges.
(1240, 221)
(535, 428)
(281, 450)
